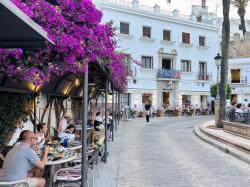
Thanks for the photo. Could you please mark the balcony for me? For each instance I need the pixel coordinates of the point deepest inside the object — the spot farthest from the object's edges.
(205, 77)
(168, 74)
(242, 80)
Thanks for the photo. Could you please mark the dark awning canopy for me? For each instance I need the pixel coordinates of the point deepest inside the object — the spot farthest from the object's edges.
(63, 86)
(17, 30)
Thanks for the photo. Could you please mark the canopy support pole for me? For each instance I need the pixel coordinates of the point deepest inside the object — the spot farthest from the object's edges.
(84, 131)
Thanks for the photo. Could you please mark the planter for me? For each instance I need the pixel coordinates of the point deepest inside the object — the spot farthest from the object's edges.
(237, 129)
(159, 113)
(177, 113)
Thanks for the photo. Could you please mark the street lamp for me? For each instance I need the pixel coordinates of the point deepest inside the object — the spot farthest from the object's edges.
(218, 64)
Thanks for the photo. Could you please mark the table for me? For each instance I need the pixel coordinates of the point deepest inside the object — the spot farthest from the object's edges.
(74, 147)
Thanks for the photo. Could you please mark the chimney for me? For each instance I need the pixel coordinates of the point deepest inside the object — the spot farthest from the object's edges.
(135, 4)
(157, 9)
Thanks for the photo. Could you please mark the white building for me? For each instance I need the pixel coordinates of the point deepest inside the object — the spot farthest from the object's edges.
(176, 52)
(239, 77)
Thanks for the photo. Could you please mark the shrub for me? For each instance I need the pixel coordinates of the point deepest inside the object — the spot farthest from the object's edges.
(14, 109)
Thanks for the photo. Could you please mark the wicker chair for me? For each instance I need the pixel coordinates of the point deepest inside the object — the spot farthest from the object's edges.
(22, 183)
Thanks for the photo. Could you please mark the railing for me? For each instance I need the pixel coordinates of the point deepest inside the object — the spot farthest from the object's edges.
(124, 3)
(205, 77)
(169, 74)
(243, 80)
(239, 117)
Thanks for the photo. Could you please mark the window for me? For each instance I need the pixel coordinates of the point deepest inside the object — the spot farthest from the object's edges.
(147, 62)
(203, 71)
(146, 32)
(185, 38)
(125, 99)
(124, 28)
(202, 41)
(235, 75)
(186, 65)
(166, 35)
(127, 61)
(167, 63)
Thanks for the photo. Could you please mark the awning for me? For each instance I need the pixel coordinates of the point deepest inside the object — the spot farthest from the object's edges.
(17, 30)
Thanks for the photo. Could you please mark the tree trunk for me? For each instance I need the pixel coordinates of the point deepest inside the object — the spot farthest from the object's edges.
(241, 12)
(224, 61)
(243, 26)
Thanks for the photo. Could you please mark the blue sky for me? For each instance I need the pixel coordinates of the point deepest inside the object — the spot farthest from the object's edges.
(184, 6)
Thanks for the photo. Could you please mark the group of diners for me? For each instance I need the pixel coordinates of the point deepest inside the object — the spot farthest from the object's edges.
(28, 156)
(238, 112)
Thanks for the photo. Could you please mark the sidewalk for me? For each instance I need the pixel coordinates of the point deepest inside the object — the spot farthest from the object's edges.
(109, 171)
(229, 143)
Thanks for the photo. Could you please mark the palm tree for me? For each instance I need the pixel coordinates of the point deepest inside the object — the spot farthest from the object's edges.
(241, 5)
(224, 62)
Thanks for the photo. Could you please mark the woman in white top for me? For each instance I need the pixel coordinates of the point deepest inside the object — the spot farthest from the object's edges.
(41, 131)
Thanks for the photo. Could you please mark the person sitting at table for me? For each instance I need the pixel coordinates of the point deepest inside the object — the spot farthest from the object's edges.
(69, 133)
(98, 117)
(65, 122)
(98, 124)
(41, 131)
(20, 159)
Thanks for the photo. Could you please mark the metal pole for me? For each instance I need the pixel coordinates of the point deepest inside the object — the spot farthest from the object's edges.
(34, 128)
(116, 110)
(217, 94)
(113, 111)
(119, 107)
(106, 120)
(84, 131)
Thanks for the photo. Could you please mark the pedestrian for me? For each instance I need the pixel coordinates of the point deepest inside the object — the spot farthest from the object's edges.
(147, 108)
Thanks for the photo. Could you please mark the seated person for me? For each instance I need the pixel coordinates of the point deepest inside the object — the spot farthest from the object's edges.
(41, 131)
(98, 117)
(239, 108)
(69, 133)
(20, 159)
(65, 122)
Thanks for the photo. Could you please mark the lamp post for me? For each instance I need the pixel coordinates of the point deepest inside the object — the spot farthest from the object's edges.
(218, 64)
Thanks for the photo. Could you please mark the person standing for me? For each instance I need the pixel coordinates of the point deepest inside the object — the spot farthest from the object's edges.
(147, 108)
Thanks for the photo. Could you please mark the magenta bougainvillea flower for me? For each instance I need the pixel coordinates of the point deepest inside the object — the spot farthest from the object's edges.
(79, 38)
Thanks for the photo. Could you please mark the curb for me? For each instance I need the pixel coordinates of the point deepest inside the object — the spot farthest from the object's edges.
(227, 148)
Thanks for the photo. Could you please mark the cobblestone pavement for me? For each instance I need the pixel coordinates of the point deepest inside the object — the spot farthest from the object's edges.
(166, 153)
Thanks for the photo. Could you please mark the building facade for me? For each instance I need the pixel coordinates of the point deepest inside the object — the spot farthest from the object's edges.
(239, 78)
(176, 52)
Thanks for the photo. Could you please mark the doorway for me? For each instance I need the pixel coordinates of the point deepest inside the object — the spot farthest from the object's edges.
(165, 98)
(167, 63)
(234, 98)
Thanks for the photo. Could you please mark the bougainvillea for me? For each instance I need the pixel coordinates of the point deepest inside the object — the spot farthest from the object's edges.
(79, 38)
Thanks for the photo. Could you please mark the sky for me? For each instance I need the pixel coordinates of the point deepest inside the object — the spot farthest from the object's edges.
(184, 6)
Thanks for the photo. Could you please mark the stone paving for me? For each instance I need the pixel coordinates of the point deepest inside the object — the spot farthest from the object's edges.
(165, 153)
